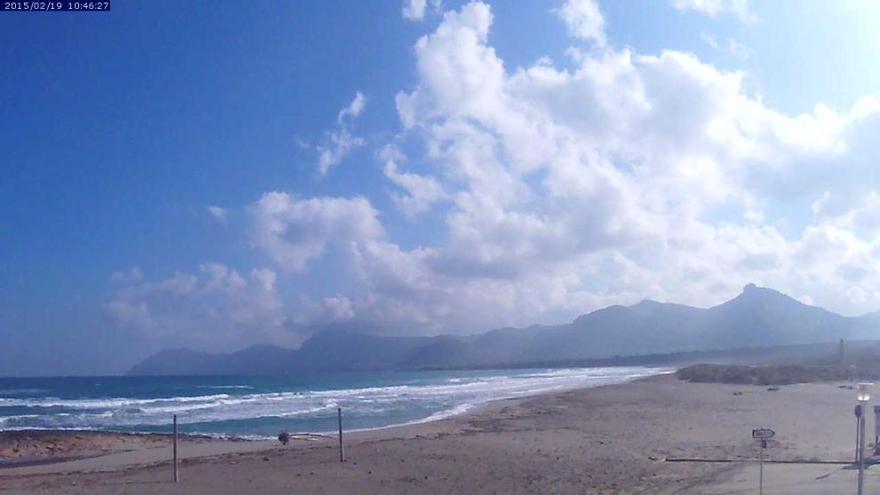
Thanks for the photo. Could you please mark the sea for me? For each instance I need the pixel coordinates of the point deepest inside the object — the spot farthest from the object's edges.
(258, 407)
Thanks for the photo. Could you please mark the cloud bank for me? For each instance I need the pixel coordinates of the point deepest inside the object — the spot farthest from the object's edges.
(557, 189)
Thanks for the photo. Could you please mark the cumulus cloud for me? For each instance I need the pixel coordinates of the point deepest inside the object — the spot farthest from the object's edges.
(420, 192)
(568, 189)
(295, 231)
(215, 308)
(584, 20)
(598, 184)
(714, 8)
(612, 178)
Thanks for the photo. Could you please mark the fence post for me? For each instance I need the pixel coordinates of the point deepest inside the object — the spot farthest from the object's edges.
(341, 448)
(176, 479)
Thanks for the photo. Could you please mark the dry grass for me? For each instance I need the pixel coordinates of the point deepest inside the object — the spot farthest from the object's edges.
(762, 375)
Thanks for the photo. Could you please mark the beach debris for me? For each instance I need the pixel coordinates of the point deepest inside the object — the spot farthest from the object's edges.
(737, 393)
(773, 389)
(284, 438)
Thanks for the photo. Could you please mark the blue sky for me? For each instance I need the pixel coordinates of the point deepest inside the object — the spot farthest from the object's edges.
(508, 163)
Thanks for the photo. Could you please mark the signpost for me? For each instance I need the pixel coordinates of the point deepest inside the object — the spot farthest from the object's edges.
(864, 397)
(762, 434)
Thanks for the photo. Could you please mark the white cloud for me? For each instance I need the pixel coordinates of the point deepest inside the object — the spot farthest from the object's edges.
(709, 39)
(598, 184)
(336, 308)
(609, 179)
(336, 147)
(415, 10)
(566, 189)
(732, 46)
(340, 142)
(217, 213)
(714, 8)
(215, 309)
(354, 108)
(584, 20)
(421, 191)
(296, 231)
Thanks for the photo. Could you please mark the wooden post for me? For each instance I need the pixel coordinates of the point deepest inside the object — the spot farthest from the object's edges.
(176, 479)
(341, 448)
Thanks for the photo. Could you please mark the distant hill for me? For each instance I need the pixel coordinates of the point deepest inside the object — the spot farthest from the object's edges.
(758, 317)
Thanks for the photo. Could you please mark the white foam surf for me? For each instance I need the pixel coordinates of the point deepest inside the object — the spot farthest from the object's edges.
(426, 400)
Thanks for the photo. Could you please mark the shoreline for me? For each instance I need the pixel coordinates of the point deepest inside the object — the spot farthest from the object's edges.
(223, 445)
(607, 439)
(441, 415)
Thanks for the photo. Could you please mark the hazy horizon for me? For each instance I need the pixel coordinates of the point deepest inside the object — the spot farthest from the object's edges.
(178, 176)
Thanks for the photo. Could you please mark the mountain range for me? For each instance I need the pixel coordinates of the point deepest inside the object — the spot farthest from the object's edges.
(757, 318)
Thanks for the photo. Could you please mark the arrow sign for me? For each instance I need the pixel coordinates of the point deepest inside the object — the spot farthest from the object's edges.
(763, 434)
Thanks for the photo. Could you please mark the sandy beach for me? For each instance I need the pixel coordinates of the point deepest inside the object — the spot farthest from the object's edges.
(612, 439)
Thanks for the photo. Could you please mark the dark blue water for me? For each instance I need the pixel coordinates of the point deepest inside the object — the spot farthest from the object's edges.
(261, 406)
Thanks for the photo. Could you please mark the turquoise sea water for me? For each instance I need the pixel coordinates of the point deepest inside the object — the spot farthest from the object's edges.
(262, 406)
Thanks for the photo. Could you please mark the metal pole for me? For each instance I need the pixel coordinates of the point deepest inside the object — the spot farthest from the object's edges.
(341, 448)
(858, 432)
(761, 475)
(862, 454)
(176, 479)
(876, 430)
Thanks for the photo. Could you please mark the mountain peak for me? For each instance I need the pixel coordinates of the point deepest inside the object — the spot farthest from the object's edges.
(646, 303)
(752, 292)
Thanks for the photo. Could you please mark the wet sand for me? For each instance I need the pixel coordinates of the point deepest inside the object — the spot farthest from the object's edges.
(612, 439)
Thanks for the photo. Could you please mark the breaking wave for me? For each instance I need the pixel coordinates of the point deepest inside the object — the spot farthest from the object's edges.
(246, 410)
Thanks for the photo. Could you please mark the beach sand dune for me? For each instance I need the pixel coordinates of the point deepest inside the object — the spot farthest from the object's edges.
(613, 439)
